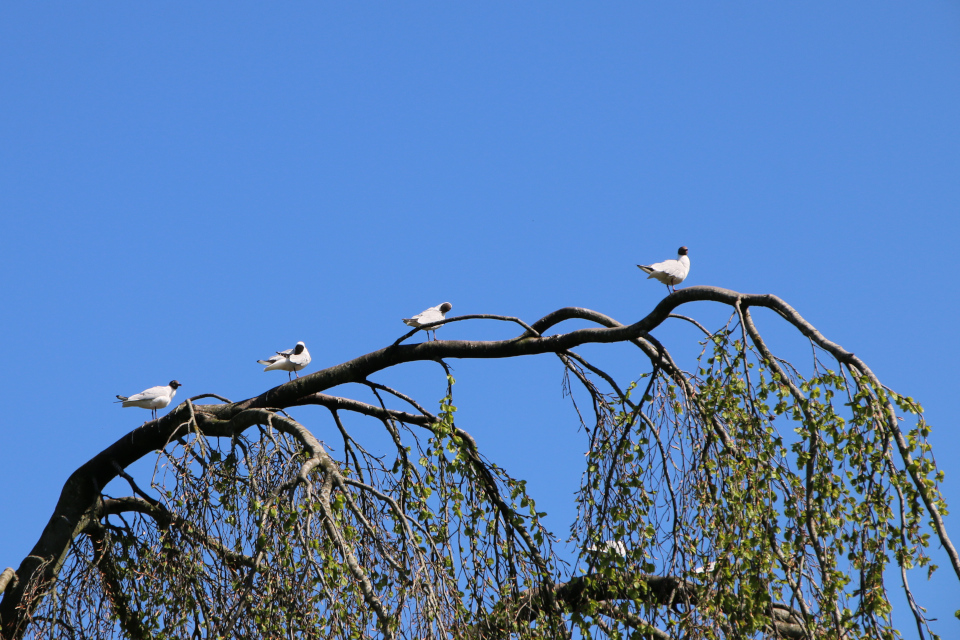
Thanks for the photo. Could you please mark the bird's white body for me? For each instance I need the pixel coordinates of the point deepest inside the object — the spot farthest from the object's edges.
(290, 360)
(433, 314)
(153, 398)
(669, 272)
(617, 547)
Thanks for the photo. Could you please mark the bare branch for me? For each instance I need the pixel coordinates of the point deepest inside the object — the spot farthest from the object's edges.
(336, 403)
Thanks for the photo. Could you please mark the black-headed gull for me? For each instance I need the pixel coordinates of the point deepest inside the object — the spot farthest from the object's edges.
(433, 314)
(616, 547)
(670, 272)
(290, 360)
(153, 398)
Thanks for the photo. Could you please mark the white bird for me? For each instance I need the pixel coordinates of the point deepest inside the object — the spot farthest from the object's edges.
(707, 569)
(433, 314)
(290, 360)
(670, 272)
(153, 398)
(610, 546)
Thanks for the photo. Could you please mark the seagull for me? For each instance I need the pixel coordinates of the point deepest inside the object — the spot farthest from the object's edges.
(289, 360)
(433, 314)
(670, 272)
(153, 398)
(610, 546)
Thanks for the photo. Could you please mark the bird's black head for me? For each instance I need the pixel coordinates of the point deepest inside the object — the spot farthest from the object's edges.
(299, 348)
(446, 306)
(175, 384)
(682, 251)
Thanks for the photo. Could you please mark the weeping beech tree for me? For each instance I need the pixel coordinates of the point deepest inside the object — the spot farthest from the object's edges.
(747, 499)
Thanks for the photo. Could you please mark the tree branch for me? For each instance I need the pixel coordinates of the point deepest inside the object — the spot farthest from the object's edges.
(8, 577)
(337, 403)
(578, 594)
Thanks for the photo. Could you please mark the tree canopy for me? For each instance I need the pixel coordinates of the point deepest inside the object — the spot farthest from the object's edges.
(739, 495)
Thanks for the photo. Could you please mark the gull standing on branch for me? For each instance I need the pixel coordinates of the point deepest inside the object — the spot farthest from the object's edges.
(153, 398)
(616, 547)
(433, 314)
(670, 272)
(290, 360)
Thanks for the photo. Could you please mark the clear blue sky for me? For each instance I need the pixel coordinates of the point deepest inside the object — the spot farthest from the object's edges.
(187, 187)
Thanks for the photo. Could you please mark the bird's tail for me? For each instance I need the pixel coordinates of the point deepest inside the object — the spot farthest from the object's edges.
(122, 398)
(645, 268)
(260, 361)
(410, 322)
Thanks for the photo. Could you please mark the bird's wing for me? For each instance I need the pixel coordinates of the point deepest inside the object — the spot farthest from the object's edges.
(671, 268)
(302, 359)
(432, 314)
(418, 319)
(271, 359)
(150, 394)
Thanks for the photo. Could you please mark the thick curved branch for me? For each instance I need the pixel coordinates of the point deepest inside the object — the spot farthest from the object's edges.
(578, 594)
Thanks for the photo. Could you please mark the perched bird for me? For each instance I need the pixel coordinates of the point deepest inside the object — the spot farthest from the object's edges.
(153, 398)
(670, 272)
(289, 360)
(616, 547)
(433, 314)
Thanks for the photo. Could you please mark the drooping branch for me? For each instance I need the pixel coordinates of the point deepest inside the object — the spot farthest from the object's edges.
(165, 519)
(110, 574)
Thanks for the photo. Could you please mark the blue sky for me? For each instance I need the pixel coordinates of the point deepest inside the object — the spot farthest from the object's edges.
(185, 188)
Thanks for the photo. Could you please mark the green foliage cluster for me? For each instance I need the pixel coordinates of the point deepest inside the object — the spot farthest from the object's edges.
(779, 500)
